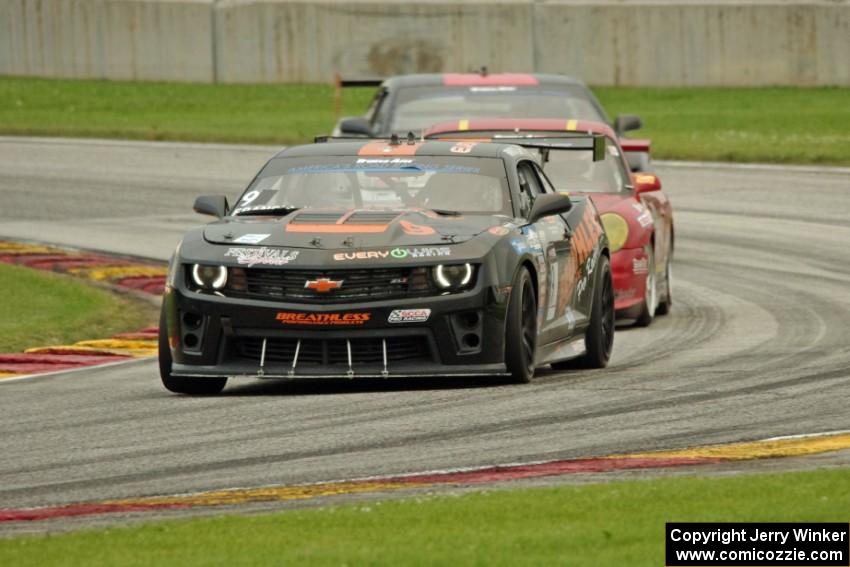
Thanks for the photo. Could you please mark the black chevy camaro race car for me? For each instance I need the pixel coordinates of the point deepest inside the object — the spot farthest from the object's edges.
(389, 258)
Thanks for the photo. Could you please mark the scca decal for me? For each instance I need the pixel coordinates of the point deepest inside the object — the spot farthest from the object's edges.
(395, 253)
(288, 318)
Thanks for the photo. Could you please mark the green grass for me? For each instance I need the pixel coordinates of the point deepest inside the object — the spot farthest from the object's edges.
(620, 523)
(784, 125)
(284, 114)
(42, 308)
(780, 125)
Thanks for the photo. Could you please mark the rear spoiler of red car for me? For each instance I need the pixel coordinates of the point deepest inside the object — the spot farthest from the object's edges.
(634, 145)
(593, 142)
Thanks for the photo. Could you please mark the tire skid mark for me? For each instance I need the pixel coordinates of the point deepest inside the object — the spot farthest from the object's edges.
(763, 449)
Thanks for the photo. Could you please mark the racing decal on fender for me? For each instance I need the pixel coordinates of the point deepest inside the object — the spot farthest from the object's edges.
(322, 319)
(263, 255)
(395, 253)
(640, 266)
(409, 316)
(576, 271)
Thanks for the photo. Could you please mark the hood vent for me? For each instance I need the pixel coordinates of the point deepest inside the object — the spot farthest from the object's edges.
(317, 218)
(369, 217)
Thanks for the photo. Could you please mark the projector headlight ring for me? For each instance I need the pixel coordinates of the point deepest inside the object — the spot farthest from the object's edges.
(209, 277)
(452, 276)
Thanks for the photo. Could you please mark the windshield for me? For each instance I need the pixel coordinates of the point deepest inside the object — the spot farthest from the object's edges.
(447, 184)
(576, 171)
(417, 108)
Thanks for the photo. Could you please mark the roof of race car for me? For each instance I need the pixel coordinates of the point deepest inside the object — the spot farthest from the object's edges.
(378, 148)
(519, 124)
(478, 79)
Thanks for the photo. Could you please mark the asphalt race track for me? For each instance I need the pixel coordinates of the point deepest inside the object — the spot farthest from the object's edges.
(757, 345)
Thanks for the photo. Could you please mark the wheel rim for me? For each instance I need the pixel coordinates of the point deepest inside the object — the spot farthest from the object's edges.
(529, 326)
(607, 316)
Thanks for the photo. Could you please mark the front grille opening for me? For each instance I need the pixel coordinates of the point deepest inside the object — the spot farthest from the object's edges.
(357, 285)
(334, 352)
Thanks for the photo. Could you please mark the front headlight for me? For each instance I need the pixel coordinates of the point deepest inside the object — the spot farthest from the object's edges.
(209, 277)
(452, 276)
(617, 230)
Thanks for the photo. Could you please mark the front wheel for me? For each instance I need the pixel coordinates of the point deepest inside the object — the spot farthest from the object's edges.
(521, 329)
(179, 384)
(599, 339)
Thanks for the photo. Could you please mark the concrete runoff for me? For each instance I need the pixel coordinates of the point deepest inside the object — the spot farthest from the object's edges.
(755, 347)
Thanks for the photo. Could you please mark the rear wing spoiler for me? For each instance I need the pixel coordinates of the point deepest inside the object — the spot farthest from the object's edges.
(595, 143)
(340, 83)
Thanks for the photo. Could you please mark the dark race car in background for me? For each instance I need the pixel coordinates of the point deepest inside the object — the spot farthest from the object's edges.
(383, 259)
(637, 215)
(412, 103)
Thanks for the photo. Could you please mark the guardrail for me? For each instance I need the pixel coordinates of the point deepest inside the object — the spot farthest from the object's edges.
(607, 42)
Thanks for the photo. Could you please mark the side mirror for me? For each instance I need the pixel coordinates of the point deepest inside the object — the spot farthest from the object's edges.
(627, 123)
(215, 205)
(646, 182)
(357, 126)
(548, 205)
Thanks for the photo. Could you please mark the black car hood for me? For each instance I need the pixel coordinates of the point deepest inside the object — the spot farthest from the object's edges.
(351, 229)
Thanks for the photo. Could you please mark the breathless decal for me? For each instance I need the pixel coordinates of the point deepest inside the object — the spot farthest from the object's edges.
(322, 319)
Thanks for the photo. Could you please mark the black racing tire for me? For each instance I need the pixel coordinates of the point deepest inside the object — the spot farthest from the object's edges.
(666, 304)
(599, 339)
(521, 329)
(650, 296)
(195, 386)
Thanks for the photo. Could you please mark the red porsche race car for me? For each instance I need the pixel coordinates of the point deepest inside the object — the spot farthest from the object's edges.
(636, 214)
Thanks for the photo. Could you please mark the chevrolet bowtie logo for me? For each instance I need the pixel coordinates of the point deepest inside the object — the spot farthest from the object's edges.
(323, 285)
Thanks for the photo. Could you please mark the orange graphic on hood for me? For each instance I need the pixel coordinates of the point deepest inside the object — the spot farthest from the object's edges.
(415, 229)
(385, 149)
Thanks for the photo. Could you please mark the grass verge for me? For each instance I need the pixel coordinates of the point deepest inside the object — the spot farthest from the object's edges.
(618, 523)
(783, 125)
(780, 125)
(42, 308)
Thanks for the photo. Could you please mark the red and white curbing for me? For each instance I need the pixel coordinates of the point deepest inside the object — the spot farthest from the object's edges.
(127, 274)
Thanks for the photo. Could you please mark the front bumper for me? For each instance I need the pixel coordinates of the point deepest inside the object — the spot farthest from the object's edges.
(211, 335)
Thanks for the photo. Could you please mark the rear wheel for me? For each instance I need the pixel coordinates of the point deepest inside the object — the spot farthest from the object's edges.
(650, 295)
(521, 329)
(667, 302)
(599, 339)
(194, 386)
